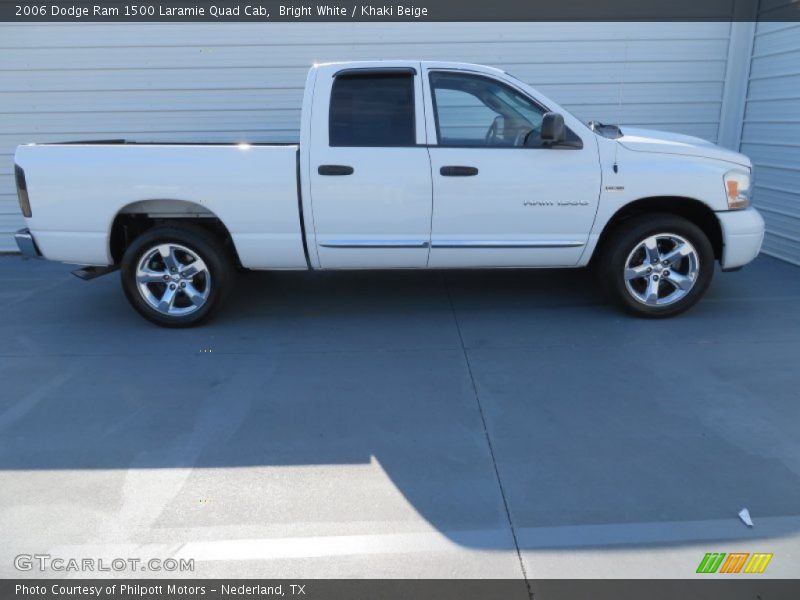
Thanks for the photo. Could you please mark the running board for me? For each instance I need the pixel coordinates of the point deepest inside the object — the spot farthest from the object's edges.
(87, 273)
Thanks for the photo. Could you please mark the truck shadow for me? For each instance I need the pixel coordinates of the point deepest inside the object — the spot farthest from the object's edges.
(442, 383)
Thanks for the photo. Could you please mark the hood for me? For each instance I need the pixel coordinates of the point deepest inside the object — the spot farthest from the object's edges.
(663, 142)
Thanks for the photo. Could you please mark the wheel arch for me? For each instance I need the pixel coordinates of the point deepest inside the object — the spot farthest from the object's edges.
(133, 219)
(693, 210)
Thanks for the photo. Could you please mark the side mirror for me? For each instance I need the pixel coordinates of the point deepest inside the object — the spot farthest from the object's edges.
(553, 129)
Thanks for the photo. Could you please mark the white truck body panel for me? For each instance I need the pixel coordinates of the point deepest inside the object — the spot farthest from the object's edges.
(528, 221)
(79, 189)
(662, 142)
(743, 232)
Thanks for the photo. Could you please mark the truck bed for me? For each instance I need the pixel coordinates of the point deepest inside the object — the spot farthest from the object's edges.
(78, 189)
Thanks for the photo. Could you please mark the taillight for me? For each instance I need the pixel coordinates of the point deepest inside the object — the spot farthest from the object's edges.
(22, 191)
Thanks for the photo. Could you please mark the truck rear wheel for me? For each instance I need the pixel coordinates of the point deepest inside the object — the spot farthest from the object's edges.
(657, 265)
(176, 275)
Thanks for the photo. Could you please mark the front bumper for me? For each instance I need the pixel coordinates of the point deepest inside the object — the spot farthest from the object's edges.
(26, 244)
(742, 235)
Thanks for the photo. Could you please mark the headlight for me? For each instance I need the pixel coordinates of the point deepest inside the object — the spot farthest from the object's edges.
(737, 189)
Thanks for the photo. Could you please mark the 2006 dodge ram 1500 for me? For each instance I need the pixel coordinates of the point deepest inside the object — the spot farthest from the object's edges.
(400, 164)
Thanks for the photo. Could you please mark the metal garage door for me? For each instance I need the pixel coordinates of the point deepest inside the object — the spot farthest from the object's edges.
(771, 134)
(233, 82)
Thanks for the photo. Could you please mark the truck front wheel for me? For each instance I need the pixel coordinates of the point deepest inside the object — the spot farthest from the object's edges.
(176, 275)
(657, 265)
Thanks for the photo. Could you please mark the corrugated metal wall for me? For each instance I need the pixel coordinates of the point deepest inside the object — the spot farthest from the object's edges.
(228, 82)
(771, 134)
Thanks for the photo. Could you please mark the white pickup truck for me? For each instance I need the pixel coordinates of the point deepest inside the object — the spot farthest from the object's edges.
(400, 165)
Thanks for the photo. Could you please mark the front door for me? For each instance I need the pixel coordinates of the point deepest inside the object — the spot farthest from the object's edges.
(502, 197)
(369, 169)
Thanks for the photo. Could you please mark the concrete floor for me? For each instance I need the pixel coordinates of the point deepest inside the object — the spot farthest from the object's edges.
(411, 424)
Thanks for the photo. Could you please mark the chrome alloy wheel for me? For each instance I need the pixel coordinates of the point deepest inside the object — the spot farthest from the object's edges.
(173, 279)
(661, 269)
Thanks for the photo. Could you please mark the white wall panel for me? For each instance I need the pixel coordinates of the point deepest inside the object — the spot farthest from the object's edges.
(771, 134)
(231, 82)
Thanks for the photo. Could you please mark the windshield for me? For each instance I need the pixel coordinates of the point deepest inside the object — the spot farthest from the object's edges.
(522, 83)
(608, 131)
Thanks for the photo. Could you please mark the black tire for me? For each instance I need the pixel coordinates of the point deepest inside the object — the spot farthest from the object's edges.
(217, 274)
(629, 237)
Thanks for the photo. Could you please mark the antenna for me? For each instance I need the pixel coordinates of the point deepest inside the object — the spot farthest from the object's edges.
(620, 115)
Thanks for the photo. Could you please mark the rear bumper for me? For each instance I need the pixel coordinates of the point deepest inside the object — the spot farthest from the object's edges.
(742, 234)
(26, 244)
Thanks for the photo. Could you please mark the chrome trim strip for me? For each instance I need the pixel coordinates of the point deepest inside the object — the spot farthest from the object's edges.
(507, 244)
(26, 244)
(374, 244)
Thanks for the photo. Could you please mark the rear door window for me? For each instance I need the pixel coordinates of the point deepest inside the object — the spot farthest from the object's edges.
(372, 109)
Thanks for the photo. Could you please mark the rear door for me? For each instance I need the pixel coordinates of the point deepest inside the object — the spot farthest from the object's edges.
(370, 178)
